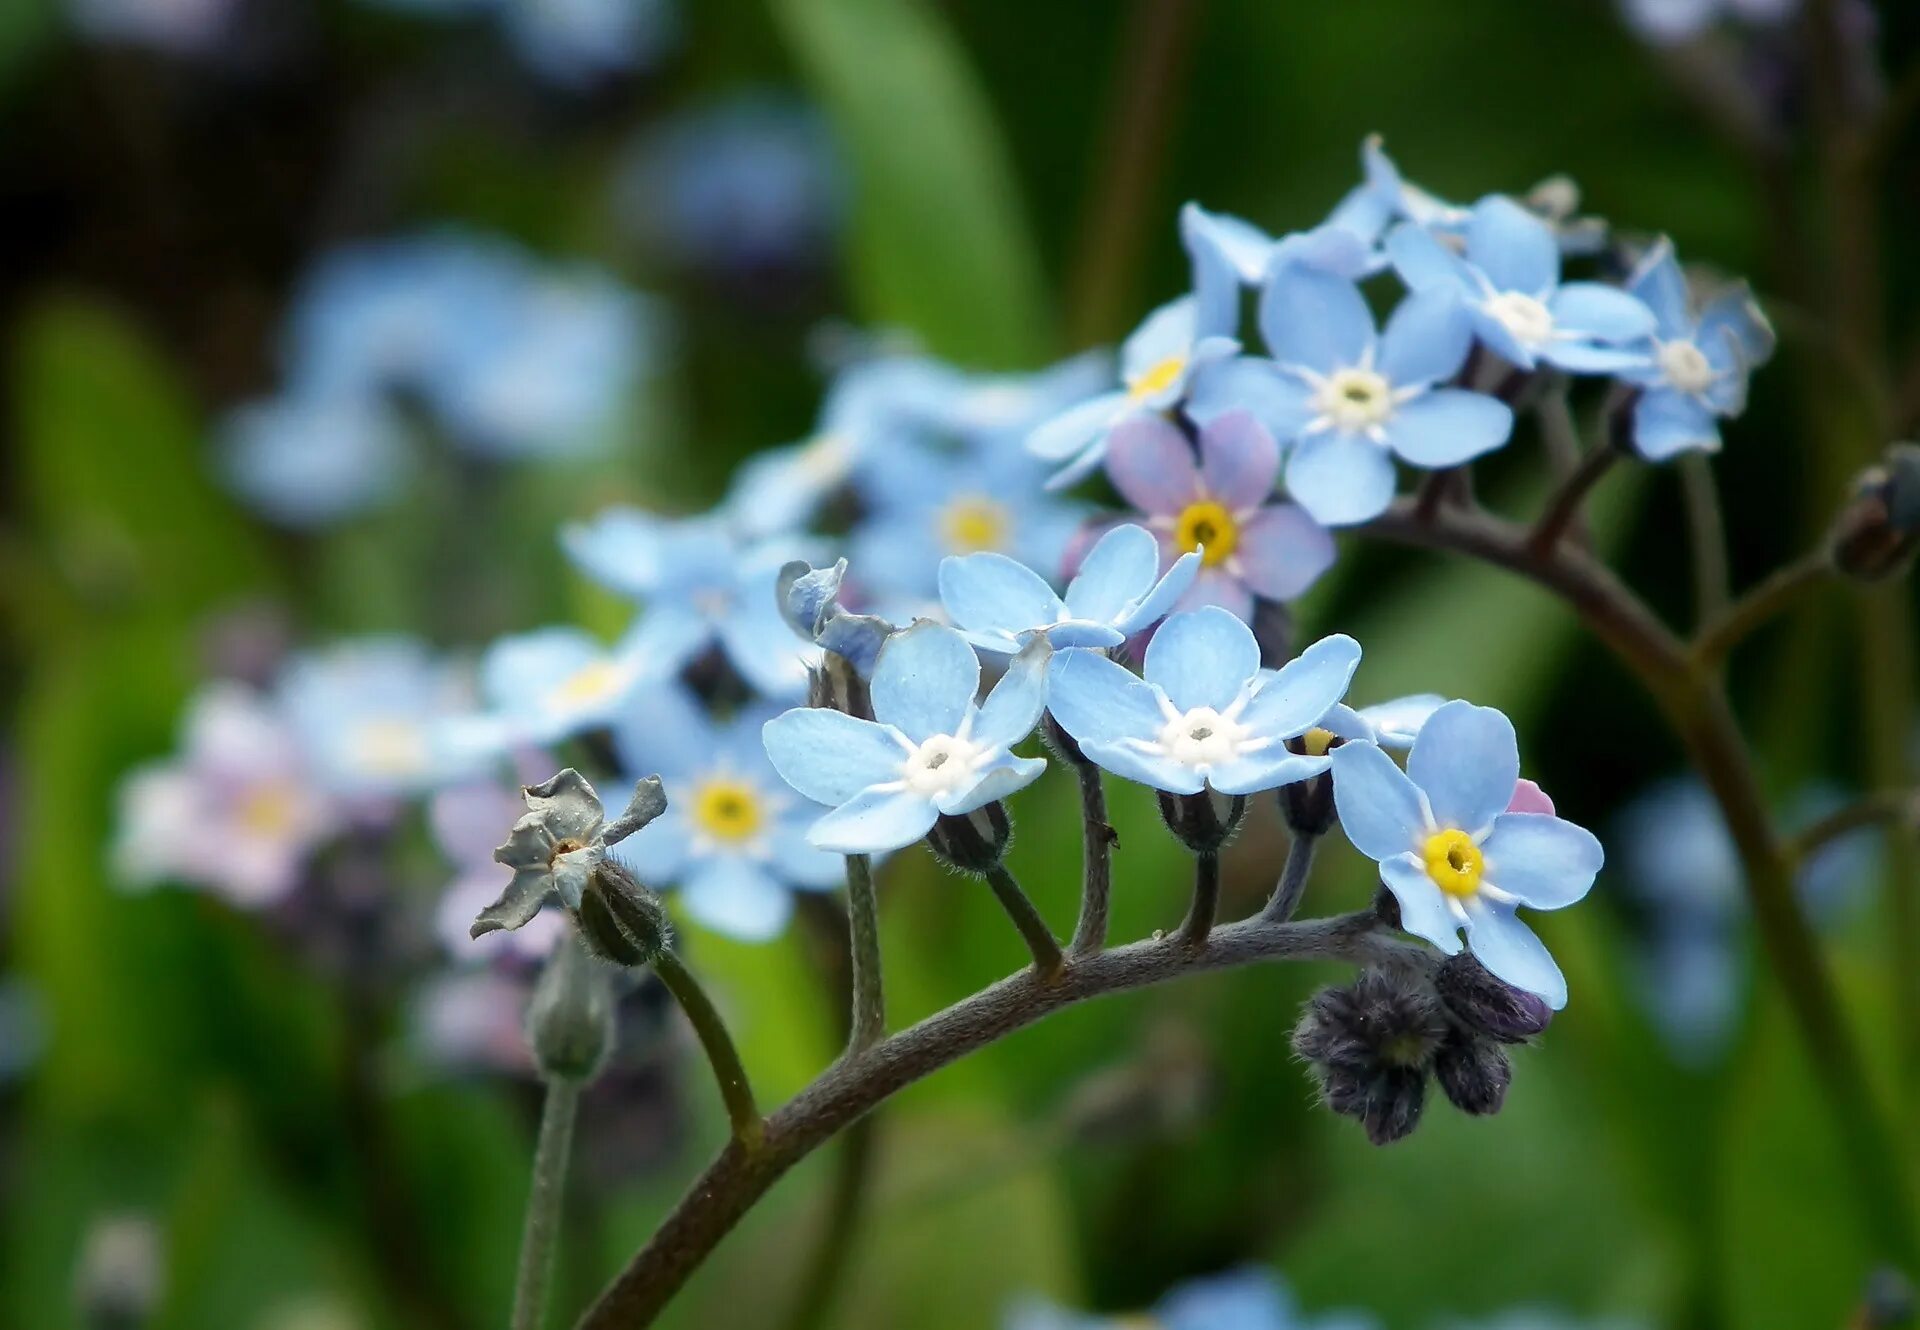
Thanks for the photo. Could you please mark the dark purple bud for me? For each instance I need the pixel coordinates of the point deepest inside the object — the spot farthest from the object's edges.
(1487, 1005)
(1474, 1073)
(1196, 820)
(1878, 529)
(971, 842)
(1369, 1045)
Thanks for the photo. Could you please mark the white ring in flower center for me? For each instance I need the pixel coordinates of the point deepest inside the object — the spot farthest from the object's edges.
(944, 764)
(1355, 399)
(1530, 322)
(1202, 737)
(1685, 366)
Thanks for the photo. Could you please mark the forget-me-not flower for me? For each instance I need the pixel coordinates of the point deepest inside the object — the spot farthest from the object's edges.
(313, 459)
(1205, 714)
(1245, 1299)
(1351, 398)
(931, 749)
(810, 602)
(1157, 361)
(1221, 506)
(368, 713)
(701, 587)
(1451, 853)
(1699, 367)
(1509, 281)
(1119, 590)
(1392, 724)
(733, 838)
(554, 683)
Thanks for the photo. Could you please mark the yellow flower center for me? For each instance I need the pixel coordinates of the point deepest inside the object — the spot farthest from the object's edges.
(1207, 526)
(1454, 862)
(593, 683)
(727, 810)
(974, 522)
(1317, 741)
(390, 746)
(1156, 378)
(268, 812)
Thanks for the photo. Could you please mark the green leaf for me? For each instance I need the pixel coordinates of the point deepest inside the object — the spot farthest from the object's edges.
(939, 245)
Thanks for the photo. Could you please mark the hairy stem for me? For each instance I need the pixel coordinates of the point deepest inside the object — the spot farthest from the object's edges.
(541, 1231)
(1096, 874)
(1293, 880)
(1206, 899)
(1706, 535)
(1033, 929)
(850, 1088)
(863, 933)
(853, 1172)
(1780, 589)
(735, 1090)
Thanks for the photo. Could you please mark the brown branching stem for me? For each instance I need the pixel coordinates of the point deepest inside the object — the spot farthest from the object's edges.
(736, 1092)
(1719, 635)
(1899, 809)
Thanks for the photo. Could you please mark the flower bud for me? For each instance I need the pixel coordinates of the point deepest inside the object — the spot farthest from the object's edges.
(1878, 529)
(620, 920)
(1197, 822)
(971, 842)
(1474, 1072)
(1488, 1006)
(1369, 1046)
(570, 1019)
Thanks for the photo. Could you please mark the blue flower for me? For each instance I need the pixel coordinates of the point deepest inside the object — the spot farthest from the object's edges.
(1452, 855)
(310, 460)
(1699, 367)
(369, 714)
(1156, 363)
(930, 749)
(810, 602)
(1350, 397)
(1246, 1299)
(1204, 715)
(1392, 724)
(733, 838)
(701, 586)
(1119, 591)
(579, 43)
(1510, 283)
(554, 683)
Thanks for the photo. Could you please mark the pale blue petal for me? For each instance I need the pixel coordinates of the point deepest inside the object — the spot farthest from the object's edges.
(763, 650)
(1278, 400)
(1512, 953)
(1427, 339)
(1667, 423)
(1076, 428)
(1343, 722)
(1448, 426)
(657, 852)
(1203, 658)
(1424, 263)
(1499, 340)
(1265, 770)
(1242, 244)
(1380, 809)
(1334, 246)
(1072, 472)
(1396, 723)
(925, 681)
(620, 549)
(1127, 758)
(875, 821)
(1161, 596)
(1311, 317)
(830, 756)
(1424, 911)
(1014, 706)
(1466, 761)
(1095, 699)
(1293, 698)
(800, 862)
(1736, 314)
(1658, 282)
(1583, 357)
(1003, 777)
(737, 897)
(1340, 478)
(1216, 274)
(1514, 248)
(1545, 861)
(1283, 551)
(1170, 330)
(1604, 313)
(1119, 569)
(990, 593)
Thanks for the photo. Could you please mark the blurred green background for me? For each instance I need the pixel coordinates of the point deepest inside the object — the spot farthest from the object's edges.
(1015, 169)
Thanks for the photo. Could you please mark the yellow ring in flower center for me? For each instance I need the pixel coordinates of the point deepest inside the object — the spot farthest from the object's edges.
(1454, 862)
(1317, 741)
(727, 810)
(1209, 527)
(974, 522)
(1156, 378)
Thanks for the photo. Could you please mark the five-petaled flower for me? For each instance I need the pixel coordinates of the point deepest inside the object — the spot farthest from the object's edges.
(1205, 715)
(1221, 508)
(555, 847)
(1700, 363)
(930, 750)
(1451, 853)
(1119, 591)
(1510, 283)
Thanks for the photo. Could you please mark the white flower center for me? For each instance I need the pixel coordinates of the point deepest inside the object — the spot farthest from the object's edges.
(1530, 322)
(1203, 738)
(1355, 399)
(944, 764)
(1685, 366)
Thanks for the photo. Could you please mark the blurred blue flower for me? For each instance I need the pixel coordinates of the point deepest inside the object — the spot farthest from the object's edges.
(733, 838)
(744, 186)
(555, 683)
(313, 460)
(1119, 591)
(1205, 715)
(1246, 1299)
(1351, 398)
(1221, 506)
(179, 27)
(1157, 361)
(1699, 367)
(369, 714)
(702, 587)
(987, 410)
(1509, 281)
(1671, 22)
(580, 43)
(1451, 853)
(930, 749)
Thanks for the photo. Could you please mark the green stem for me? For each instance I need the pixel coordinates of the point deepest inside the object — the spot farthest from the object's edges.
(1563, 508)
(1707, 535)
(863, 932)
(541, 1231)
(1033, 929)
(1782, 587)
(1206, 899)
(735, 1090)
(1293, 880)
